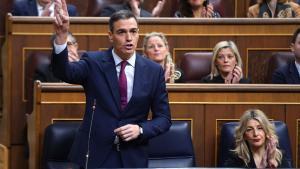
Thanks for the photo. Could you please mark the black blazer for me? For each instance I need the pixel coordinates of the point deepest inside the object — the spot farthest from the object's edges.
(234, 161)
(110, 9)
(29, 8)
(287, 74)
(219, 79)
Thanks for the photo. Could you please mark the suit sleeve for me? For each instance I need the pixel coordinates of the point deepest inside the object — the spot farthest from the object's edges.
(16, 9)
(107, 11)
(72, 10)
(161, 116)
(70, 72)
(278, 77)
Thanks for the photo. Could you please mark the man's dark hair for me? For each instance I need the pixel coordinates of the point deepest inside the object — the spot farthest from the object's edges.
(295, 35)
(122, 14)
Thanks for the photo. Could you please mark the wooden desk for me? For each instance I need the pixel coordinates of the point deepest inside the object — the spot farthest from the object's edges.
(207, 107)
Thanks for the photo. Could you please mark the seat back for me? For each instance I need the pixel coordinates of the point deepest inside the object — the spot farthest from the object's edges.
(173, 148)
(227, 141)
(3, 157)
(58, 140)
(225, 8)
(163, 150)
(195, 65)
(278, 59)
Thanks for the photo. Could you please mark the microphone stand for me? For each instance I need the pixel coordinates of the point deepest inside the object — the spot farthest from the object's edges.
(89, 138)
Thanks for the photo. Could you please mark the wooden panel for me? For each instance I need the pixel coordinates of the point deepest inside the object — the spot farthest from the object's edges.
(293, 123)
(18, 157)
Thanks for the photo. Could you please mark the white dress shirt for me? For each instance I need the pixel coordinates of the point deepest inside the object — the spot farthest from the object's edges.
(40, 9)
(129, 69)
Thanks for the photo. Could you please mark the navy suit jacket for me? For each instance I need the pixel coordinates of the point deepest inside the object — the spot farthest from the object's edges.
(29, 8)
(96, 72)
(287, 74)
(110, 9)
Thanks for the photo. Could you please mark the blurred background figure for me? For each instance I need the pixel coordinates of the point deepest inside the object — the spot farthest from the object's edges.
(196, 9)
(135, 6)
(44, 70)
(256, 144)
(274, 9)
(156, 48)
(226, 65)
(38, 8)
(290, 73)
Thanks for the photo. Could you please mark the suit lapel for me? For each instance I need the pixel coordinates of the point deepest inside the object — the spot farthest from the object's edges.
(138, 82)
(33, 8)
(110, 72)
(294, 73)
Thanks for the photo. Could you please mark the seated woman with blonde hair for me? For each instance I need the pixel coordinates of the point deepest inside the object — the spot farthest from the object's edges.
(256, 143)
(226, 65)
(156, 48)
(274, 9)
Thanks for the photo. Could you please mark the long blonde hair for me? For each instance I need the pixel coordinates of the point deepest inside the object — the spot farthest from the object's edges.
(168, 59)
(241, 149)
(221, 45)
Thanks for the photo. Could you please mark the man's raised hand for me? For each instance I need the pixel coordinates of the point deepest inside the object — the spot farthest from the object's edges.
(61, 21)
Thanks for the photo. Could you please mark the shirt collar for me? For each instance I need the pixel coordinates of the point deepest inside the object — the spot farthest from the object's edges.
(118, 60)
(41, 9)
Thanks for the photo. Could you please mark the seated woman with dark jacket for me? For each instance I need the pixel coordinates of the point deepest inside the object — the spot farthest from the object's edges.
(256, 144)
(226, 65)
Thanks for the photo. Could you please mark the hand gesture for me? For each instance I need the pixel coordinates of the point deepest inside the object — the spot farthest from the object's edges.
(72, 55)
(47, 11)
(61, 21)
(158, 8)
(208, 11)
(168, 71)
(271, 150)
(237, 74)
(128, 132)
(135, 7)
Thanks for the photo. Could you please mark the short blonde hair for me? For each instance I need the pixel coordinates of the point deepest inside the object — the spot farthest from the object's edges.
(241, 149)
(222, 45)
(168, 58)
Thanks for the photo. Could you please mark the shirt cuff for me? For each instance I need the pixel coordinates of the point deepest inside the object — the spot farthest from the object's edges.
(59, 48)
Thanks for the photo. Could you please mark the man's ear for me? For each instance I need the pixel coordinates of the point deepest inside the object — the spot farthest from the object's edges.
(292, 46)
(110, 36)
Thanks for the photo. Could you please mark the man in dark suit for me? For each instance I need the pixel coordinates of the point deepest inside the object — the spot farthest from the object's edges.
(135, 6)
(290, 73)
(38, 8)
(121, 88)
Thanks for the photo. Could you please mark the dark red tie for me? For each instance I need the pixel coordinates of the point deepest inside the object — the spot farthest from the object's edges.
(123, 85)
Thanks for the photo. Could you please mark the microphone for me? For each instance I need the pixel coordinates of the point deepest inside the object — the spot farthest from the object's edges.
(89, 137)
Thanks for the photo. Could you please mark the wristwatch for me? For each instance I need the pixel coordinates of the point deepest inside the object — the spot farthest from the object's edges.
(141, 131)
